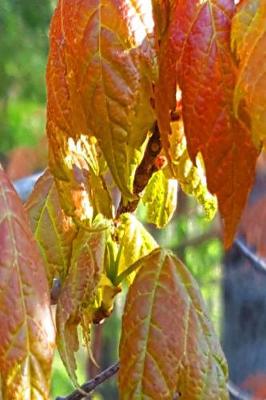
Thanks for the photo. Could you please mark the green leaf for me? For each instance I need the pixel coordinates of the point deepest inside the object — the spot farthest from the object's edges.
(168, 344)
(160, 199)
(53, 230)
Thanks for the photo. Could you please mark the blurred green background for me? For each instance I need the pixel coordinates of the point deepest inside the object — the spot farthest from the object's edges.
(24, 26)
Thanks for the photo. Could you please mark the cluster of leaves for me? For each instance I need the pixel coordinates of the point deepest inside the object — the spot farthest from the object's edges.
(141, 95)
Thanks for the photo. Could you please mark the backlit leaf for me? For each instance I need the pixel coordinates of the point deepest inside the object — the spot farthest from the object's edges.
(27, 330)
(168, 345)
(249, 43)
(78, 293)
(160, 199)
(191, 177)
(99, 81)
(53, 230)
(195, 54)
(135, 242)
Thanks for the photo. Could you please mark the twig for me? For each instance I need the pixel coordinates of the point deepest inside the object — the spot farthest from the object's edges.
(256, 261)
(237, 393)
(91, 385)
(108, 373)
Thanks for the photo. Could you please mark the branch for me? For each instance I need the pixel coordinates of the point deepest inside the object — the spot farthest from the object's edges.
(108, 373)
(91, 385)
(257, 262)
(237, 393)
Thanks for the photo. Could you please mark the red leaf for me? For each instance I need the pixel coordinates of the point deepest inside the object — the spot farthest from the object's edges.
(27, 330)
(195, 53)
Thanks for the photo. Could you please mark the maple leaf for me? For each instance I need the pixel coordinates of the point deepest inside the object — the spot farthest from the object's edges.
(27, 330)
(249, 42)
(53, 230)
(99, 82)
(164, 307)
(195, 53)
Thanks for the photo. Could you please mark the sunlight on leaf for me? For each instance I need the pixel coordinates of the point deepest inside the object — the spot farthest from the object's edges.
(27, 330)
(168, 344)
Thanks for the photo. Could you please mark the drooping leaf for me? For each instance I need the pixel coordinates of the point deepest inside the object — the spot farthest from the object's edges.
(54, 231)
(191, 177)
(160, 199)
(99, 81)
(195, 54)
(249, 43)
(27, 330)
(168, 345)
(78, 293)
(135, 242)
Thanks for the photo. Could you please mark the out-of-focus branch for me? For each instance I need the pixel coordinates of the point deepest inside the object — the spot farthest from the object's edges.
(198, 240)
(108, 373)
(257, 262)
(91, 385)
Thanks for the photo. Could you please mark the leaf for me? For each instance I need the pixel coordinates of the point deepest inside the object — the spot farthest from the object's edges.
(160, 199)
(78, 294)
(195, 54)
(99, 81)
(191, 178)
(27, 330)
(168, 345)
(83, 192)
(54, 231)
(249, 42)
(135, 242)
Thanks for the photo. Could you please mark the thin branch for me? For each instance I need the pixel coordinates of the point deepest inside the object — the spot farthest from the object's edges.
(91, 385)
(237, 393)
(108, 373)
(256, 261)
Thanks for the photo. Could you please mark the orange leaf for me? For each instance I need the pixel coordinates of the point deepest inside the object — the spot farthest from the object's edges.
(27, 330)
(53, 230)
(249, 42)
(168, 345)
(99, 81)
(78, 293)
(195, 53)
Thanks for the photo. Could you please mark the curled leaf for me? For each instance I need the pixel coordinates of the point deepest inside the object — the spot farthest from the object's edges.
(27, 330)
(191, 177)
(168, 345)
